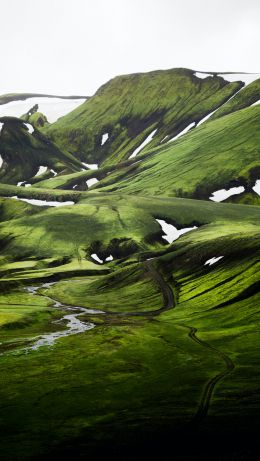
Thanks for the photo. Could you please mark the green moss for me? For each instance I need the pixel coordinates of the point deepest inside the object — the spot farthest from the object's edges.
(130, 107)
(209, 158)
(245, 97)
(23, 152)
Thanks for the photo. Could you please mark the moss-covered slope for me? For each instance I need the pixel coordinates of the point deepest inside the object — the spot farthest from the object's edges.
(129, 108)
(23, 152)
(219, 154)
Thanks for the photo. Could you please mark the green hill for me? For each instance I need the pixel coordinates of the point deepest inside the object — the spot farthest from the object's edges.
(129, 305)
(130, 107)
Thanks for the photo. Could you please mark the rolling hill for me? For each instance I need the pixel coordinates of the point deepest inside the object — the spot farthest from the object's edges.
(129, 304)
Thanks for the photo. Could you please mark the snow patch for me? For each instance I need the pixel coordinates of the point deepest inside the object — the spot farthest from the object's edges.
(41, 170)
(202, 75)
(204, 119)
(104, 138)
(213, 260)
(43, 202)
(223, 194)
(164, 139)
(74, 187)
(109, 258)
(171, 233)
(54, 173)
(96, 258)
(207, 117)
(91, 166)
(256, 187)
(1, 161)
(256, 103)
(20, 183)
(91, 182)
(1, 126)
(191, 125)
(144, 143)
(30, 128)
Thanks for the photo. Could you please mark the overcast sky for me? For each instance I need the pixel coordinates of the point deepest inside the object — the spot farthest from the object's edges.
(74, 46)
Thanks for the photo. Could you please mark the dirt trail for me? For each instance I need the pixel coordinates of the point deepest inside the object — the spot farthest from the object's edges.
(168, 296)
(208, 390)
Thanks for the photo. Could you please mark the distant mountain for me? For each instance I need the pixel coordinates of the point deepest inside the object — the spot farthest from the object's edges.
(10, 97)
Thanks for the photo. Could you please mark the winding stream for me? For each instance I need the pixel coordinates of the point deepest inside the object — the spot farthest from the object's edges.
(73, 323)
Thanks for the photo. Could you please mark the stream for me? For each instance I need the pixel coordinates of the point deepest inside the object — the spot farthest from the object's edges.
(73, 323)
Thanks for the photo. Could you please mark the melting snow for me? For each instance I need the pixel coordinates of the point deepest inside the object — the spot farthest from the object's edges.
(207, 117)
(256, 103)
(144, 143)
(171, 233)
(213, 112)
(1, 161)
(202, 75)
(96, 258)
(91, 166)
(1, 126)
(223, 194)
(213, 260)
(104, 138)
(43, 202)
(164, 139)
(256, 187)
(20, 183)
(54, 173)
(109, 258)
(53, 108)
(182, 132)
(27, 184)
(74, 187)
(41, 170)
(30, 128)
(91, 182)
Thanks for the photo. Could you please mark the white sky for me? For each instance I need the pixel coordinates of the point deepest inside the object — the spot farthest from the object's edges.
(74, 46)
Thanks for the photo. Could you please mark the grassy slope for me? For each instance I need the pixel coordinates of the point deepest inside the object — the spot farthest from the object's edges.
(23, 152)
(134, 360)
(95, 223)
(130, 107)
(244, 98)
(224, 141)
(218, 154)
